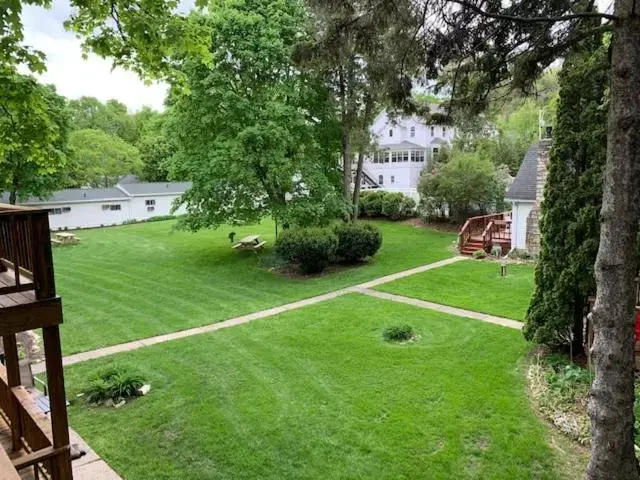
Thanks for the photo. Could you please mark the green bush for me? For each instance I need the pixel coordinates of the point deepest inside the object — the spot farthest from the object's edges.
(398, 333)
(161, 218)
(310, 248)
(371, 203)
(479, 254)
(113, 383)
(391, 203)
(357, 241)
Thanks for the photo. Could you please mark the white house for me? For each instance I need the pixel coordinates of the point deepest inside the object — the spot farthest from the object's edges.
(406, 146)
(96, 207)
(525, 195)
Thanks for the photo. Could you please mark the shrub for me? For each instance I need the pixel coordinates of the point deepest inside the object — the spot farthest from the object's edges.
(310, 248)
(371, 202)
(479, 254)
(161, 218)
(113, 383)
(357, 241)
(391, 203)
(398, 333)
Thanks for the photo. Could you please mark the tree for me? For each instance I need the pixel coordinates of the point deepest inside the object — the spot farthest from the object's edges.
(111, 117)
(255, 136)
(569, 225)
(99, 159)
(156, 149)
(33, 129)
(466, 183)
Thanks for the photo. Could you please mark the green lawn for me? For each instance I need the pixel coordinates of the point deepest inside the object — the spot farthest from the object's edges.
(316, 394)
(130, 282)
(474, 285)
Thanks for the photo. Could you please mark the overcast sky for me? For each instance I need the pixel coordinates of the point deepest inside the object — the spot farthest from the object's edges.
(75, 77)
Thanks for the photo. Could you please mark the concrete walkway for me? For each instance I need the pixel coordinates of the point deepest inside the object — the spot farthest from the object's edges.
(459, 312)
(145, 342)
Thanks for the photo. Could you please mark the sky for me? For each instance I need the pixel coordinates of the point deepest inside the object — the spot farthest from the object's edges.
(71, 74)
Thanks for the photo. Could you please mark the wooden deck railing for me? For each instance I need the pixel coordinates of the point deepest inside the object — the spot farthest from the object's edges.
(32, 429)
(480, 226)
(25, 250)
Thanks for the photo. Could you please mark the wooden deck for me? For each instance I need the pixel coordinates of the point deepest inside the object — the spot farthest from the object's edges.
(5, 444)
(7, 279)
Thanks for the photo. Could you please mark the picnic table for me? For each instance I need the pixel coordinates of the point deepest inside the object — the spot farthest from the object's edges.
(251, 242)
(64, 238)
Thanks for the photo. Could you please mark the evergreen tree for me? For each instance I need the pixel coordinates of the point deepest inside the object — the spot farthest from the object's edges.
(570, 223)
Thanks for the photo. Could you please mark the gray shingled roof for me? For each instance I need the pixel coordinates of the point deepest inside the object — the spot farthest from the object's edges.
(524, 185)
(157, 188)
(406, 145)
(76, 195)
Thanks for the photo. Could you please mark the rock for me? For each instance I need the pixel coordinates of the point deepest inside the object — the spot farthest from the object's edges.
(143, 390)
(108, 402)
(120, 404)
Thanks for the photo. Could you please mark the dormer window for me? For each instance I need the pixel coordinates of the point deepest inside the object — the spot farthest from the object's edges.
(391, 133)
(412, 132)
(433, 130)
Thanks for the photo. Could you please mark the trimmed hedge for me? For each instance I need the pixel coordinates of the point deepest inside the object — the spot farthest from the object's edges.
(311, 248)
(393, 205)
(357, 241)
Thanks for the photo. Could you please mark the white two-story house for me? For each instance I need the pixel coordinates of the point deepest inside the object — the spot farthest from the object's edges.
(406, 146)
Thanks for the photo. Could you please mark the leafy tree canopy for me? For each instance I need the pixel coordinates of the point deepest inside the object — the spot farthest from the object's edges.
(99, 159)
(255, 135)
(33, 133)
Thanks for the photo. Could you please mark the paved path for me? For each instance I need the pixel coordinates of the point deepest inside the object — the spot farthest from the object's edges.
(145, 342)
(459, 312)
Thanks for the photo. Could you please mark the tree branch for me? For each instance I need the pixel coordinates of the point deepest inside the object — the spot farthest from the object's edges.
(516, 19)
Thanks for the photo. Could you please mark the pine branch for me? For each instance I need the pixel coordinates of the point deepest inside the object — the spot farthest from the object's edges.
(516, 19)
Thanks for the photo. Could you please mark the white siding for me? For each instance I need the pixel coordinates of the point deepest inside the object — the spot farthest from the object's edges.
(519, 214)
(88, 214)
(163, 203)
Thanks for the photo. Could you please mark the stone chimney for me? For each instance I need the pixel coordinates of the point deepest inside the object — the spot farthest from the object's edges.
(533, 220)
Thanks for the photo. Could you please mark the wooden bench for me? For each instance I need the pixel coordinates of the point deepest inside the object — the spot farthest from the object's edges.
(259, 246)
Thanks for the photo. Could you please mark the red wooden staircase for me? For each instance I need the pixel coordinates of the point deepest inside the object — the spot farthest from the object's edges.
(484, 232)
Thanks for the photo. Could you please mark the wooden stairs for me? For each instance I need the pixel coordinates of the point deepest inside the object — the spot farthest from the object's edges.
(485, 232)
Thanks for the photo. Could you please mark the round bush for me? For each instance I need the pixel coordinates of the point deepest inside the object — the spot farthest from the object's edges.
(371, 203)
(391, 203)
(310, 248)
(398, 333)
(479, 254)
(357, 241)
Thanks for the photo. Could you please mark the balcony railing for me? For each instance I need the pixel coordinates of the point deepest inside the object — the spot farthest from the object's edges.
(28, 301)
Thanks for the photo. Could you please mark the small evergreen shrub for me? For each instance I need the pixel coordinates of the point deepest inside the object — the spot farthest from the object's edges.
(357, 241)
(479, 254)
(398, 333)
(311, 248)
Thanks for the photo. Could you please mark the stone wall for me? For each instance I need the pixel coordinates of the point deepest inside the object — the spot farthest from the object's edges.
(533, 220)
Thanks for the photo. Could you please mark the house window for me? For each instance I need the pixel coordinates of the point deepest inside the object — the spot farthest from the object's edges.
(433, 130)
(391, 133)
(444, 131)
(149, 202)
(417, 156)
(405, 157)
(151, 209)
(60, 211)
(380, 179)
(112, 208)
(394, 157)
(435, 152)
(412, 132)
(393, 179)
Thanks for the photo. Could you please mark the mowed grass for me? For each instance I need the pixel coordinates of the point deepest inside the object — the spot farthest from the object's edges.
(125, 283)
(473, 285)
(317, 394)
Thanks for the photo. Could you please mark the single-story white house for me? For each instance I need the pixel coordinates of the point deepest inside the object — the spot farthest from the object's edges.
(96, 207)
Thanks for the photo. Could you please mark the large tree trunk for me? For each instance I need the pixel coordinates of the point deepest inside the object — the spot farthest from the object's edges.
(357, 185)
(346, 166)
(612, 394)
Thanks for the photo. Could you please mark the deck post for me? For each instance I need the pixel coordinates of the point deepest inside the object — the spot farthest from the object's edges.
(61, 466)
(13, 380)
